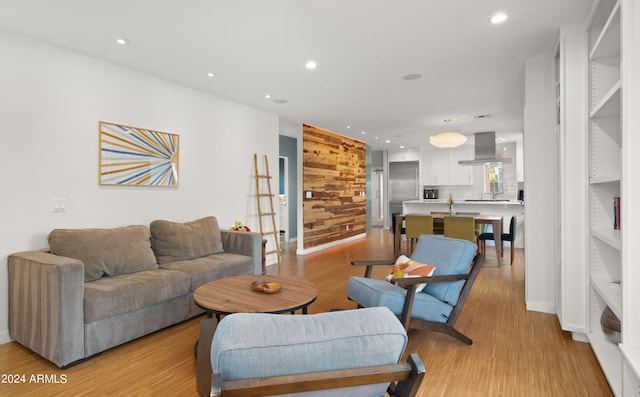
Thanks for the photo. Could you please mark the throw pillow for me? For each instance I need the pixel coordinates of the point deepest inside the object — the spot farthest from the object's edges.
(174, 242)
(407, 267)
(105, 252)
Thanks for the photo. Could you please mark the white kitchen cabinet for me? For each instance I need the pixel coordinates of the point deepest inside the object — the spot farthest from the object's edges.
(435, 167)
(440, 167)
(403, 155)
(460, 174)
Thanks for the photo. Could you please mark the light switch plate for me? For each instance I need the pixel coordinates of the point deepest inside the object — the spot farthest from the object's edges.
(59, 205)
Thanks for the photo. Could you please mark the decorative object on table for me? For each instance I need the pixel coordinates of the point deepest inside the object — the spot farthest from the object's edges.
(133, 156)
(240, 227)
(611, 325)
(450, 203)
(268, 287)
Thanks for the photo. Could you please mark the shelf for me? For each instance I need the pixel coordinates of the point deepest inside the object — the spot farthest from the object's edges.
(610, 359)
(609, 105)
(607, 267)
(610, 292)
(632, 355)
(608, 178)
(608, 43)
(609, 236)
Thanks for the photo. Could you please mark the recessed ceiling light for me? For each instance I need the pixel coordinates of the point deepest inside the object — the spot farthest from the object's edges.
(376, 138)
(311, 65)
(387, 141)
(363, 132)
(211, 74)
(413, 76)
(498, 18)
(122, 41)
(267, 96)
(348, 126)
(401, 146)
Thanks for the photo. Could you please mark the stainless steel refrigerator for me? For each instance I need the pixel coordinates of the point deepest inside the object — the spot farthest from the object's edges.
(404, 184)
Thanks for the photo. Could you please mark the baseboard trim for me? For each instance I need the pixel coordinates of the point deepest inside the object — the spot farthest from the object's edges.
(542, 307)
(5, 337)
(330, 245)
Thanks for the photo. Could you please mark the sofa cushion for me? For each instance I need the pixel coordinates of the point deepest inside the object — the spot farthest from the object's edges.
(173, 242)
(105, 252)
(212, 267)
(244, 342)
(126, 293)
(450, 256)
(369, 292)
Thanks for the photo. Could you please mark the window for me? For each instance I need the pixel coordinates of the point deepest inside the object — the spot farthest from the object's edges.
(493, 178)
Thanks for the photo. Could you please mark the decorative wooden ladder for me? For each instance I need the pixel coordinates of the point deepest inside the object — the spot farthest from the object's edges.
(260, 195)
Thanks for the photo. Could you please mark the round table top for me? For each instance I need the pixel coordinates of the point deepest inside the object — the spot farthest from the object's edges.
(234, 295)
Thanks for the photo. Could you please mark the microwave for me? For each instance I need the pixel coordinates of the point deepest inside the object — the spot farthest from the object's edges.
(430, 193)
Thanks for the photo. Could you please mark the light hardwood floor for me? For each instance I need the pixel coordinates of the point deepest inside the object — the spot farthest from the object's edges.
(515, 352)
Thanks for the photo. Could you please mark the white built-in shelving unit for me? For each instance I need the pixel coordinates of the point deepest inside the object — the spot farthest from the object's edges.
(610, 31)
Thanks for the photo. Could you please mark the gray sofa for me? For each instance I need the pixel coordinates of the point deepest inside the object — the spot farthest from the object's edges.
(94, 289)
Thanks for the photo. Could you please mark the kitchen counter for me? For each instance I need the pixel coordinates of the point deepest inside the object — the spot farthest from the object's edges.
(466, 202)
(504, 208)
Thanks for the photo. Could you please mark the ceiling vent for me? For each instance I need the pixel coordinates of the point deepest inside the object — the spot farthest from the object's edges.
(482, 116)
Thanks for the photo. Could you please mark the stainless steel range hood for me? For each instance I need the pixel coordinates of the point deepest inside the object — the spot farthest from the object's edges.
(485, 150)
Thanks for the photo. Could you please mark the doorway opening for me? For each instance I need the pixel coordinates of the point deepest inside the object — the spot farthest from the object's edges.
(283, 210)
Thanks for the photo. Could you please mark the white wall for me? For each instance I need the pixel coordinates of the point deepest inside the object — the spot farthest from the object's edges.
(50, 103)
(539, 179)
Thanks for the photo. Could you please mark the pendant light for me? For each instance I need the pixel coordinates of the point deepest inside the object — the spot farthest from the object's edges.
(447, 139)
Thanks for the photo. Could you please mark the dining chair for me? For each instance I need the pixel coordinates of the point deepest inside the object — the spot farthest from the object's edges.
(416, 225)
(439, 228)
(510, 237)
(462, 227)
(403, 229)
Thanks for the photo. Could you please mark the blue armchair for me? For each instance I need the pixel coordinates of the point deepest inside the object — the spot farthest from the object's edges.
(254, 354)
(439, 304)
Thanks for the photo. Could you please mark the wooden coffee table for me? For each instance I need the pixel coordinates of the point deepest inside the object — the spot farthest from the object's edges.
(234, 295)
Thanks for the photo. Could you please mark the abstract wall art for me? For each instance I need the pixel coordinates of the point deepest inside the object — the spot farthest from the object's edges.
(132, 156)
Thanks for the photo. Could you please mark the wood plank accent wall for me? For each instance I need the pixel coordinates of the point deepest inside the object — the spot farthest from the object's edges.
(334, 172)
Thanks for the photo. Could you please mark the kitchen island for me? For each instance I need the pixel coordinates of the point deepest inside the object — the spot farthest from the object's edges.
(504, 208)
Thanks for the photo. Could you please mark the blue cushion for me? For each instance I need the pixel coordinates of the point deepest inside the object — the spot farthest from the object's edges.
(370, 292)
(450, 256)
(249, 345)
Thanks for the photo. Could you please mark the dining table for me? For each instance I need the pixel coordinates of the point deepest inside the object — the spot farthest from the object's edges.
(438, 219)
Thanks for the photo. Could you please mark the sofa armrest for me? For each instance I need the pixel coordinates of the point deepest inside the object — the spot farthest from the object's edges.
(46, 295)
(244, 243)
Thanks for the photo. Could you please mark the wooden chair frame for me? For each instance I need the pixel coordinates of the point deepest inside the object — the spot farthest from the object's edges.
(411, 284)
(405, 378)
